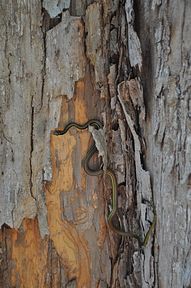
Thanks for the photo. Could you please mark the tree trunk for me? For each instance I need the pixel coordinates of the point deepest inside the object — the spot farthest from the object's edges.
(126, 63)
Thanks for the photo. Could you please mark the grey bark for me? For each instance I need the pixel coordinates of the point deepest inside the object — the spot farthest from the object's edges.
(138, 55)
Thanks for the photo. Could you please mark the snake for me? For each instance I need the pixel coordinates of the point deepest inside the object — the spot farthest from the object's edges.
(96, 172)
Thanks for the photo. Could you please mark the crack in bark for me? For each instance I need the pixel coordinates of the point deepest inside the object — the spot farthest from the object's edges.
(182, 32)
(31, 150)
(43, 71)
(7, 56)
(49, 23)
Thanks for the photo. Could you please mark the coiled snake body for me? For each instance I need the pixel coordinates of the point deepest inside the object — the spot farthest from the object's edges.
(97, 124)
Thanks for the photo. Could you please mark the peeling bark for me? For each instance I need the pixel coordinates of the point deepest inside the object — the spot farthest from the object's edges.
(126, 63)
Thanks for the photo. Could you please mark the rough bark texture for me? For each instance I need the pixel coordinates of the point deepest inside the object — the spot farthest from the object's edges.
(126, 63)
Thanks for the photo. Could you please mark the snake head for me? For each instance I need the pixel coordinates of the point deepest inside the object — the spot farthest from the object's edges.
(57, 132)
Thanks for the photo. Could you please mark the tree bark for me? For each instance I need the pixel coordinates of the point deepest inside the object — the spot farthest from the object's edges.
(126, 63)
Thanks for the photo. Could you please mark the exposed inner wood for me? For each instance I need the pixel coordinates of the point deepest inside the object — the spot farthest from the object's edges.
(126, 63)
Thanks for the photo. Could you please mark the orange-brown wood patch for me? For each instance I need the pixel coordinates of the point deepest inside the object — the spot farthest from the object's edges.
(68, 239)
(71, 197)
(25, 262)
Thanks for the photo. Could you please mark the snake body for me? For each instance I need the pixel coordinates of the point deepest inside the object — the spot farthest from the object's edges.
(97, 124)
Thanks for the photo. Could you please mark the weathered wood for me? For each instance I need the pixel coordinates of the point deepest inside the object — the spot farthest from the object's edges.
(21, 89)
(167, 93)
(126, 63)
